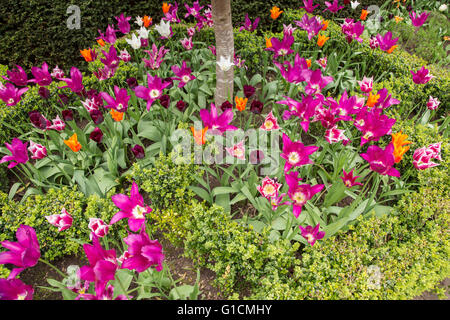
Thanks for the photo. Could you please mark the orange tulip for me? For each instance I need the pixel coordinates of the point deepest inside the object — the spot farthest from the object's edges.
(308, 62)
(116, 115)
(364, 14)
(101, 42)
(398, 140)
(86, 53)
(398, 19)
(165, 7)
(321, 40)
(268, 42)
(325, 25)
(73, 143)
(199, 136)
(275, 13)
(372, 100)
(392, 49)
(240, 103)
(147, 21)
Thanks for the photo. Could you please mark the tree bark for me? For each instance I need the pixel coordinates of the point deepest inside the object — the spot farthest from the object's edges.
(223, 30)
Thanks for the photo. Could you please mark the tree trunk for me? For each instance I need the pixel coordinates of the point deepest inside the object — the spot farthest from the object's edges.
(223, 30)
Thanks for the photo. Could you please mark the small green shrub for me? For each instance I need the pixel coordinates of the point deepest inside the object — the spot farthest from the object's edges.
(234, 251)
(166, 183)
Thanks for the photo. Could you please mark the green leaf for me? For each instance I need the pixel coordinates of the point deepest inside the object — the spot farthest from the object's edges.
(279, 224)
(122, 282)
(222, 190)
(223, 200)
(13, 190)
(202, 193)
(182, 292)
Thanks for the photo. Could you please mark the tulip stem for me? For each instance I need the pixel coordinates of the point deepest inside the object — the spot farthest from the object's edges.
(52, 266)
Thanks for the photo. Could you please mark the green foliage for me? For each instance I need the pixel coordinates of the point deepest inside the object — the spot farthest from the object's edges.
(32, 212)
(233, 250)
(165, 182)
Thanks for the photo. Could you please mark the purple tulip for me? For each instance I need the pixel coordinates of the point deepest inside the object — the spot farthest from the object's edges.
(123, 24)
(299, 72)
(312, 234)
(144, 253)
(422, 76)
(19, 153)
(110, 36)
(96, 135)
(373, 124)
(214, 122)
(111, 59)
(165, 101)
(44, 93)
(309, 6)
(181, 105)
(131, 207)
(311, 25)
(38, 120)
(248, 25)
(300, 194)
(15, 289)
(281, 48)
(138, 151)
(132, 82)
(101, 294)
(11, 95)
(18, 77)
(75, 83)
(349, 180)
(317, 82)
(67, 115)
(418, 20)
(249, 91)
(172, 15)
(24, 253)
(296, 153)
(303, 110)
(352, 30)
(333, 7)
(183, 74)
(153, 91)
(226, 105)
(119, 104)
(256, 106)
(144, 42)
(96, 116)
(381, 161)
(41, 75)
(386, 42)
(194, 11)
(156, 57)
(102, 265)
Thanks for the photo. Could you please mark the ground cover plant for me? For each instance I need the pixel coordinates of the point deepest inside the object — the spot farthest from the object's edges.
(298, 155)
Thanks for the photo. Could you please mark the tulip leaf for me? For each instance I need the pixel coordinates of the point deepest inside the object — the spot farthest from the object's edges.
(202, 193)
(122, 282)
(181, 293)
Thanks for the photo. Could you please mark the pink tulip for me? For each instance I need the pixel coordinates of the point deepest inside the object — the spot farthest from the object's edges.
(38, 150)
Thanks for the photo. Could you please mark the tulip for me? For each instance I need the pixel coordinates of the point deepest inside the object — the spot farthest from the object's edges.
(138, 151)
(131, 207)
(19, 153)
(120, 103)
(134, 42)
(153, 91)
(96, 116)
(44, 93)
(300, 194)
(349, 180)
(102, 265)
(123, 24)
(366, 84)
(248, 25)
(240, 103)
(281, 48)
(312, 234)
(15, 289)
(422, 156)
(199, 136)
(73, 143)
(147, 21)
(17, 76)
(156, 57)
(333, 7)
(75, 83)
(24, 253)
(98, 228)
(418, 20)
(67, 115)
(96, 135)
(132, 82)
(381, 161)
(422, 76)
(295, 153)
(226, 105)
(183, 74)
(321, 40)
(433, 103)
(165, 101)
(38, 120)
(58, 124)
(144, 253)
(249, 91)
(111, 59)
(364, 14)
(275, 12)
(187, 43)
(181, 105)
(88, 55)
(311, 25)
(38, 151)
(63, 221)
(256, 107)
(237, 151)
(270, 123)
(11, 95)
(334, 135)
(309, 6)
(172, 14)
(116, 115)
(269, 188)
(164, 29)
(194, 11)
(215, 122)
(125, 56)
(256, 156)
(41, 75)
(225, 63)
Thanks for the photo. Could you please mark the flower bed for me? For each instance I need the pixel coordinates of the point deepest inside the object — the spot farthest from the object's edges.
(324, 174)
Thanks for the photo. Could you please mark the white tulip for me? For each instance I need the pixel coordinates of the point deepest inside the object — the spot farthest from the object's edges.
(143, 33)
(225, 63)
(443, 7)
(354, 4)
(163, 29)
(134, 42)
(139, 21)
